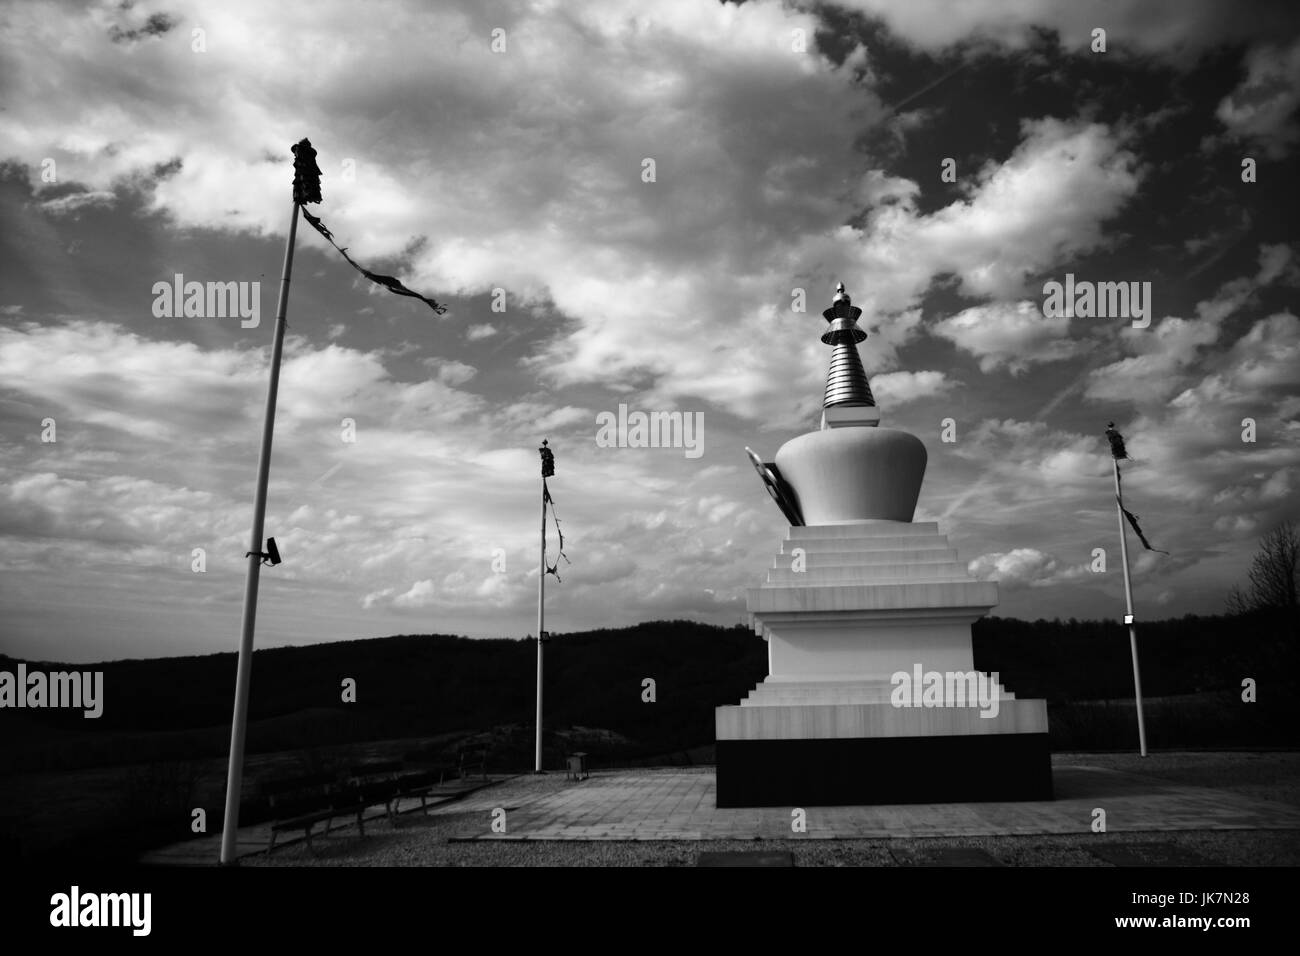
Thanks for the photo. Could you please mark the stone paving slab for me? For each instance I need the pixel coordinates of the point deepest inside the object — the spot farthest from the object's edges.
(667, 805)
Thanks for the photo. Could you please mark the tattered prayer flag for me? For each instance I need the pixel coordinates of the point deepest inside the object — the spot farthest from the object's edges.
(548, 500)
(1133, 521)
(1118, 452)
(388, 282)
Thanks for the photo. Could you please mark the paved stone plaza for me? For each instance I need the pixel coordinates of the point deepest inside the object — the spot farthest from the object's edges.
(1243, 809)
(679, 805)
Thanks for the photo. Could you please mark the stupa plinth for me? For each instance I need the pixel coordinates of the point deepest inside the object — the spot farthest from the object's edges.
(859, 598)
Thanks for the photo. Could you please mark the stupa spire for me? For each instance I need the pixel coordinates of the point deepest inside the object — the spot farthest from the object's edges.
(846, 379)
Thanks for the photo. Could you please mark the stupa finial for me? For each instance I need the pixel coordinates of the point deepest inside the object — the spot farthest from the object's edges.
(842, 308)
(846, 380)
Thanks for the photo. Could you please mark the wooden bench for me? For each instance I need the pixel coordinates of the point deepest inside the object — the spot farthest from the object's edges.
(418, 783)
(472, 758)
(369, 785)
(299, 803)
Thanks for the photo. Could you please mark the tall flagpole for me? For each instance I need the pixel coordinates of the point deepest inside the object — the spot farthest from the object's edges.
(243, 677)
(1128, 618)
(548, 469)
(541, 634)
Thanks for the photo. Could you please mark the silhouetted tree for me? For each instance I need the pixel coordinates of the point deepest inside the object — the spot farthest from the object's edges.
(1273, 574)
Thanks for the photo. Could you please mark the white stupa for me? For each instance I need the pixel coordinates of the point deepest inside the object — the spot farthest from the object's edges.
(858, 595)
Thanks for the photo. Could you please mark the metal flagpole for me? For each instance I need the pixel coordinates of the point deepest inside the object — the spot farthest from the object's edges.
(1128, 618)
(548, 469)
(541, 634)
(239, 724)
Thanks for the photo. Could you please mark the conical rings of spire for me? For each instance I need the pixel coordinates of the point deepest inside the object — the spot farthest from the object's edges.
(846, 380)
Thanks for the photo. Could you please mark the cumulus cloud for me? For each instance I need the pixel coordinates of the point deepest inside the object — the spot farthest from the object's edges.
(897, 388)
(406, 520)
(1261, 111)
(1235, 485)
(1176, 29)
(74, 202)
(1046, 203)
(1011, 335)
(450, 371)
(557, 212)
(551, 205)
(1032, 457)
(1022, 567)
(1165, 353)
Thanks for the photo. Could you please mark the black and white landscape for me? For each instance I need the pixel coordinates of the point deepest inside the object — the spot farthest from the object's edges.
(1055, 217)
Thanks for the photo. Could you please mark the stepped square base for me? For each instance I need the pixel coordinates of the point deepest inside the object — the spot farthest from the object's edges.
(845, 609)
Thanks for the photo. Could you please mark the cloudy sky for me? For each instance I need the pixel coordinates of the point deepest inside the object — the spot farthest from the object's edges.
(494, 155)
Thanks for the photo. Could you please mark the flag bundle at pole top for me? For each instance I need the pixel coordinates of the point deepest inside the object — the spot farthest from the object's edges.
(306, 189)
(1119, 452)
(306, 174)
(1117, 449)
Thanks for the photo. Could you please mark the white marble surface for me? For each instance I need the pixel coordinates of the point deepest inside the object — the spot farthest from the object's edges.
(845, 607)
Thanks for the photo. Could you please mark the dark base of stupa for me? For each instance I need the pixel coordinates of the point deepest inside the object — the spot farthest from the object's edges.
(862, 771)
